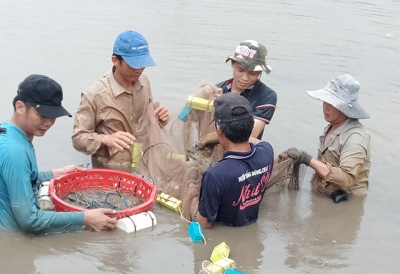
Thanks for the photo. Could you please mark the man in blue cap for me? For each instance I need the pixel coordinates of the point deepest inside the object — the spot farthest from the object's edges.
(36, 107)
(105, 121)
(343, 162)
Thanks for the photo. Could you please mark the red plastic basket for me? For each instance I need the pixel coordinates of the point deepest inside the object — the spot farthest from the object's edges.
(105, 179)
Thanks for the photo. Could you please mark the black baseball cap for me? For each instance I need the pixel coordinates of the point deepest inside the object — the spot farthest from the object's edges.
(44, 94)
(226, 103)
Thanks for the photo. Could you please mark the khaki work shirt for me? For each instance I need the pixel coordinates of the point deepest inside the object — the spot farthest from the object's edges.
(347, 155)
(106, 107)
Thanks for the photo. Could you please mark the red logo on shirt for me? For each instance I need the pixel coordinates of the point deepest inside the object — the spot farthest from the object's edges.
(251, 196)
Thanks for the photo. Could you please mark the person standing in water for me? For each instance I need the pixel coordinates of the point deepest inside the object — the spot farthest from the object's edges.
(248, 62)
(344, 151)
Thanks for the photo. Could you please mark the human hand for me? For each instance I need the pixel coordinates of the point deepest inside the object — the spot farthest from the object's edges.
(162, 113)
(97, 219)
(118, 140)
(299, 156)
(209, 139)
(321, 187)
(71, 168)
(217, 92)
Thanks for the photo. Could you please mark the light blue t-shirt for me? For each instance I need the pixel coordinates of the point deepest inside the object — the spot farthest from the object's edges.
(19, 182)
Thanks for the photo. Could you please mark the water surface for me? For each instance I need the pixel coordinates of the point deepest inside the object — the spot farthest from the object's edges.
(309, 42)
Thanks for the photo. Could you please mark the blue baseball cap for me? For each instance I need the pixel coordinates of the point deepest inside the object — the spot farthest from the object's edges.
(134, 49)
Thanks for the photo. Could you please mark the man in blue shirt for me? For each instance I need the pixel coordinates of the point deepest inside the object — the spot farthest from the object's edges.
(231, 191)
(36, 107)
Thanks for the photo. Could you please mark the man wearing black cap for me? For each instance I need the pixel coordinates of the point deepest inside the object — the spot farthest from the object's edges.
(232, 190)
(36, 107)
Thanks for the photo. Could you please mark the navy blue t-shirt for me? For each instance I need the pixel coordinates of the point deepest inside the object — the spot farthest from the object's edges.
(261, 97)
(232, 190)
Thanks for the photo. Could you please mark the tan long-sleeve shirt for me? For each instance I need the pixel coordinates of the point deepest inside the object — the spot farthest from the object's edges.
(347, 155)
(106, 107)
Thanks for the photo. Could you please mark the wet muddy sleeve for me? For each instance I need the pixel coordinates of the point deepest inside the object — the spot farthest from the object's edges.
(352, 158)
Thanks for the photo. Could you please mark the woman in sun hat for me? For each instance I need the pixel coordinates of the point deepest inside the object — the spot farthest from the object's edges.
(343, 162)
(248, 62)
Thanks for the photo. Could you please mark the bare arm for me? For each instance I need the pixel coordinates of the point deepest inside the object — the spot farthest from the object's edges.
(258, 128)
(195, 214)
(254, 140)
(203, 221)
(60, 171)
(210, 138)
(320, 168)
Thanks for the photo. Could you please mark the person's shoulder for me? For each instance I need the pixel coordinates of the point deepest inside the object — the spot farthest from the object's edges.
(221, 167)
(222, 84)
(264, 145)
(143, 76)
(100, 85)
(264, 92)
(355, 126)
(356, 132)
(263, 87)
(144, 80)
(11, 141)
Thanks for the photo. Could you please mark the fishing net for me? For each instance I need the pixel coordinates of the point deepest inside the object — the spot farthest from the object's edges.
(171, 158)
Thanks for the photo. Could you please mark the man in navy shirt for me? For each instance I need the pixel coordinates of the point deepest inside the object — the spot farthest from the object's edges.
(231, 191)
(248, 62)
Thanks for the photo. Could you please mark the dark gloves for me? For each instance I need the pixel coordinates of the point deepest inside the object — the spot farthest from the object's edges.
(339, 195)
(299, 156)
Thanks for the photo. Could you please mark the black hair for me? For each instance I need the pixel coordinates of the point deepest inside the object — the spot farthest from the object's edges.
(119, 57)
(18, 98)
(238, 131)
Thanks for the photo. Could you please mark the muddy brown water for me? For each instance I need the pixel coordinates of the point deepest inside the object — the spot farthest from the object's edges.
(309, 42)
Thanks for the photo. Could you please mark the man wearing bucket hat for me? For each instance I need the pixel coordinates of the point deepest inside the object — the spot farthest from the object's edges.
(110, 109)
(36, 107)
(232, 190)
(248, 62)
(343, 162)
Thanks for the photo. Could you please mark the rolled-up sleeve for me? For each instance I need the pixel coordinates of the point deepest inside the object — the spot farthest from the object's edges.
(352, 158)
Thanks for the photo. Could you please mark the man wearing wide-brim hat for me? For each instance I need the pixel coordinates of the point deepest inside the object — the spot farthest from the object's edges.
(343, 162)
